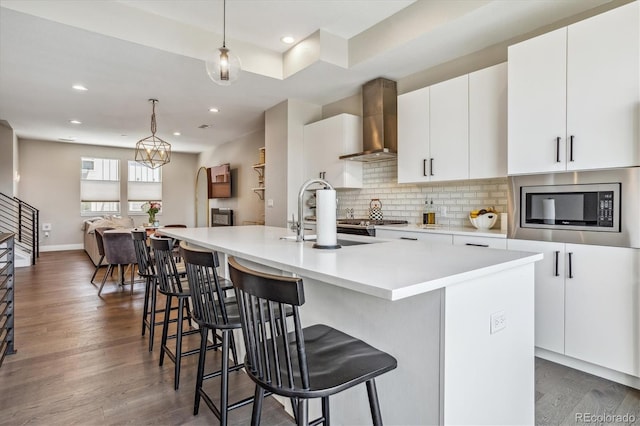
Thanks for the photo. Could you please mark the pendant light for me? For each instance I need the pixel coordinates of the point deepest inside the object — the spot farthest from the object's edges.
(152, 151)
(223, 68)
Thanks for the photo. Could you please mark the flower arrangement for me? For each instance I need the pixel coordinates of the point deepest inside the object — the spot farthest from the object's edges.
(151, 208)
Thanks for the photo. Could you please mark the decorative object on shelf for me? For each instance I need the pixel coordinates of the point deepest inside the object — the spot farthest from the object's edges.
(152, 151)
(152, 208)
(223, 68)
(375, 209)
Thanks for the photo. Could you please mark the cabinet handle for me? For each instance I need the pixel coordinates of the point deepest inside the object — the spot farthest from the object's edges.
(477, 245)
(571, 148)
(431, 166)
(558, 149)
(570, 265)
(424, 167)
(557, 274)
(409, 238)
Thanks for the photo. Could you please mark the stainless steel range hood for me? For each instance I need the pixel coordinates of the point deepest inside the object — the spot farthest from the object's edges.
(379, 122)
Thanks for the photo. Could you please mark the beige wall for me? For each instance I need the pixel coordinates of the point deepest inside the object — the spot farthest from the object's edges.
(7, 155)
(50, 181)
(242, 154)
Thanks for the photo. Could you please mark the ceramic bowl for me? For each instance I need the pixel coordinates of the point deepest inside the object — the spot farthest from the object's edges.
(485, 221)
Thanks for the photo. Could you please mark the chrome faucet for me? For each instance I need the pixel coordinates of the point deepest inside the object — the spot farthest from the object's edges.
(299, 228)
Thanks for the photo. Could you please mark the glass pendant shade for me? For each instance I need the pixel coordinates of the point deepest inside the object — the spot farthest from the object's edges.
(224, 68)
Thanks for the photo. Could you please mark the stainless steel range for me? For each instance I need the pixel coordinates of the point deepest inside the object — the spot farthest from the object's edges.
(364, 226)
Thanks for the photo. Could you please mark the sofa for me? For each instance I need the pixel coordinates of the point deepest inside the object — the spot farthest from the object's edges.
(89, 238)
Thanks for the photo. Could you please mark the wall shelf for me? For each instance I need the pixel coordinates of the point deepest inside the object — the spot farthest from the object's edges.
(259, 168)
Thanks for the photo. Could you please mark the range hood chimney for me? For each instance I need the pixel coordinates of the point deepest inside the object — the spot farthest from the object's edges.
(379, 122)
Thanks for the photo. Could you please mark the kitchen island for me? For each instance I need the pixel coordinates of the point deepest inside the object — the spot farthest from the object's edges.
(459, 320)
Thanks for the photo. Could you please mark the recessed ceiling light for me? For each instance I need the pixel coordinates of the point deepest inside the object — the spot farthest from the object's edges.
(287, 39)
(68, 139)
(79, 87)
(75, 121)
(123, 135)
(214, 109)
(176, 133)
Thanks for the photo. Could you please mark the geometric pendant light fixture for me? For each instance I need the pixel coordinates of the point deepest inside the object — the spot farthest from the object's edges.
(223, 66)
(152, 151)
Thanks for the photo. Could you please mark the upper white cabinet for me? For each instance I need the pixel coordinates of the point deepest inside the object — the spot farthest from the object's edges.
(449, 138)
(574, 94)
(455, 129)
(328, 139)
(413, 136)
(488, 122)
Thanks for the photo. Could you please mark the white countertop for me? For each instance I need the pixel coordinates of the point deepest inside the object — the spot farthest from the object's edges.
(450, 230)
(389, 269)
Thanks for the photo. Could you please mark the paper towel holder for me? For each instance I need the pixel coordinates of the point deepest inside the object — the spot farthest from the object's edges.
(298, 224)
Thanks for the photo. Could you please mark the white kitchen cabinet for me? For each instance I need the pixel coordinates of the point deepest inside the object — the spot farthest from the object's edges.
(454, 130)
(587, 303)
(549, 292)
(601, 306)
(573, 96)
(449, 130)
(486, 242)
(415, 236)
(603, 90)
(325, 141)
(413, 136)
(488, 122)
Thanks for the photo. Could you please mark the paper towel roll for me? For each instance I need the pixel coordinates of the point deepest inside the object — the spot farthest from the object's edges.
(549, 211)
(326, 218)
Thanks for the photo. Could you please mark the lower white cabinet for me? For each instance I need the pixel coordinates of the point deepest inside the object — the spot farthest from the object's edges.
(416, 236)
(487, 242)
(549, 292)
(587, 302)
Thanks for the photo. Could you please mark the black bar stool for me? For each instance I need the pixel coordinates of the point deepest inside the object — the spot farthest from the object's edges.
(172, 287)
(314, 362)
(214, 311)
(147, 271)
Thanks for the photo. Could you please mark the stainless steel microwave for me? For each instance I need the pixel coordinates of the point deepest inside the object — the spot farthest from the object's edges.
(578, 207)
(589, 207)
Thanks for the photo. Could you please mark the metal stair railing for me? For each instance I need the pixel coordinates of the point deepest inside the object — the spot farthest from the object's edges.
(23, 220)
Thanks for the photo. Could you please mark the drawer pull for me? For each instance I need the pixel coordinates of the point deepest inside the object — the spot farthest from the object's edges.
(409, 238)
(477, 245)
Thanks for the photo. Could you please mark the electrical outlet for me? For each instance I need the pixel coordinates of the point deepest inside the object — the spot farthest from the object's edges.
(46, 227)
(498, 321)
(443, 211)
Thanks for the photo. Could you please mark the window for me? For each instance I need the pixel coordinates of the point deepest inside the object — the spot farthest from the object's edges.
(99, 186)
(144, 184)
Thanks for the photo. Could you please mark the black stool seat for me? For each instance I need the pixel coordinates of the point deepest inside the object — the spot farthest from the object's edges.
(336, 362)
(299, 363)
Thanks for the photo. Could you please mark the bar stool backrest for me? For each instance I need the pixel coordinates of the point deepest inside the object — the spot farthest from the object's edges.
(276, 355)
(166, 269)
(207, 295)
(143, 255)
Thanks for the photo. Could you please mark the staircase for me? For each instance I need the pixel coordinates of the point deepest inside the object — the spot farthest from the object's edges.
(23, 220)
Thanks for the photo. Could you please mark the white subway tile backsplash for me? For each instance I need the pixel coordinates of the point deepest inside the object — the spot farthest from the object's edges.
(406, 201)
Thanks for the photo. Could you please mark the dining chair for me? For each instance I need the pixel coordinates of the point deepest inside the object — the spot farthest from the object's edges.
(118, 252)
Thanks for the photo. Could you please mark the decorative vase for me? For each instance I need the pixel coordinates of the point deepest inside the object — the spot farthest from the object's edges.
(152, 219)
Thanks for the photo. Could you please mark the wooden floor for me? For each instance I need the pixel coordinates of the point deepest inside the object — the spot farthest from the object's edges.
(81, 360)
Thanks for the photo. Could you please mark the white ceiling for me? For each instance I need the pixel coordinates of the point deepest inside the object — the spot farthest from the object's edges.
(128, 51)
